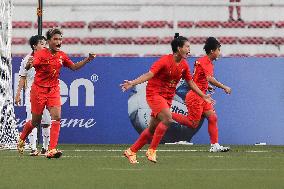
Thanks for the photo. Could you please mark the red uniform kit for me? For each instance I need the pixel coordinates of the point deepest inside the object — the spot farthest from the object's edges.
(45, 90)
(196, 106)
(161, 88)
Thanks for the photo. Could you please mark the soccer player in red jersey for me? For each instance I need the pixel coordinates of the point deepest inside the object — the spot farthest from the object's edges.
(26, 80)
(198, 107)
(45, 90)
(162, 79)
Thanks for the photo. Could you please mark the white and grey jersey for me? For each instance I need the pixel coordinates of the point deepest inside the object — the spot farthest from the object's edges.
(29, 74)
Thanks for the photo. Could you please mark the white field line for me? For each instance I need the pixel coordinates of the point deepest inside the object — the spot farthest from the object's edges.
(168, 150)
(115, 150)
(212, 155)
(183, 170)
(162, 150)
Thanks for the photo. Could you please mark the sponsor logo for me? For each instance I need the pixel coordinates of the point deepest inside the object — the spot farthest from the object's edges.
(67, 123)
(72, 92)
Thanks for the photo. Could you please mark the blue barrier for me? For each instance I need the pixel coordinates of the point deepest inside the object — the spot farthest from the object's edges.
(96, 111)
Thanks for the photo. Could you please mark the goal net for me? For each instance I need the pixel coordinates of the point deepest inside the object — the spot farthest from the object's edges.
(8, 131)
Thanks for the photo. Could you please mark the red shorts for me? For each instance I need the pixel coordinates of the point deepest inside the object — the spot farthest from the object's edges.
(157, 103)
(44, 96)
(196, 106)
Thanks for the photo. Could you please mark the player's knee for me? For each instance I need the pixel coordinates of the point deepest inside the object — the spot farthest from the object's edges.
(152, 129)
(168, 121)
(56, 118)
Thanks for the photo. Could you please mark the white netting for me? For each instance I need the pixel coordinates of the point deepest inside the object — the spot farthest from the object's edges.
(8, 131)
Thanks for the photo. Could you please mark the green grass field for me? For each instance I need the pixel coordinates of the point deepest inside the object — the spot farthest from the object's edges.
(179, 166)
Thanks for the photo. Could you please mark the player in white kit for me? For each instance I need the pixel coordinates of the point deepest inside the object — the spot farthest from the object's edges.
(26, 79)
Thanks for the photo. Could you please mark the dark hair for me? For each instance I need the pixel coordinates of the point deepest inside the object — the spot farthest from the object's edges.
(35, 39)
(178, 41)
(52, 32)
(211, 44)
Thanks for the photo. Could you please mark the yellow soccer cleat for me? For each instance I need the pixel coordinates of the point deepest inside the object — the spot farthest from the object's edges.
(151, 155)
(131, 156)
(21, 146)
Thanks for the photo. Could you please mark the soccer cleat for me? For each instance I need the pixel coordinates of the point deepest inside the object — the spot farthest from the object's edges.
(218, 148)
(131, 156)
(34, 153)
(43, 152)
(151, 155)
(54, 153)
(21, 146)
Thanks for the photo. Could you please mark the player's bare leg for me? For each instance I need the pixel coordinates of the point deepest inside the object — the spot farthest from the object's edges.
(55, 113)
(29, 126)
(213, 132)
(166, 121)
(144, 138)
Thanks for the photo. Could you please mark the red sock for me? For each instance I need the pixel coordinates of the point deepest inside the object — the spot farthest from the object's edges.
(158, 135)
(54, 134)
(26, 130)
(212, 128)
(184, 120)
(142, 140)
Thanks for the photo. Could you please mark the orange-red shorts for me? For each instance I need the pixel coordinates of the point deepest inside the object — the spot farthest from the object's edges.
(44, 96)
(157, 103)
(196, 106)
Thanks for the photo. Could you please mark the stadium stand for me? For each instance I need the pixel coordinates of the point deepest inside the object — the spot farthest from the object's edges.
(71, 40)
(126, 24)
(146, 40)
(155, 24)
(134, 27)
(100, 24)
(120, 40)
(19, 41)
(185, 24)
(48, 24)
(93, 41)
(21, 24)
(260, 24)
(73, 24)
(207, 24)
(236, 24)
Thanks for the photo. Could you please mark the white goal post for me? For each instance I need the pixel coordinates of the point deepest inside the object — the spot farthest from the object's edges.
(8, 131)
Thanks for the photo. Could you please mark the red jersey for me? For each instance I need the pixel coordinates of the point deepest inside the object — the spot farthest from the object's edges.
(167, 74)
(203, 67)
(48, 67)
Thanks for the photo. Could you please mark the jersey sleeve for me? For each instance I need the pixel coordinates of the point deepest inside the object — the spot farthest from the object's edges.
(186, 75)
(67, 62)
(23, 71)
(207, 68)
(158, 65)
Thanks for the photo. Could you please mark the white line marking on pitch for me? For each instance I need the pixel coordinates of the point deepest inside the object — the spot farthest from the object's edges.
(197, 169)
(169, 150)
(112, 150)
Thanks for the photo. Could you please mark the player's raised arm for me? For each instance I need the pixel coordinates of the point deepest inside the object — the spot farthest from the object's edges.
(141, 79)
(80, 64)
(218, 84)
